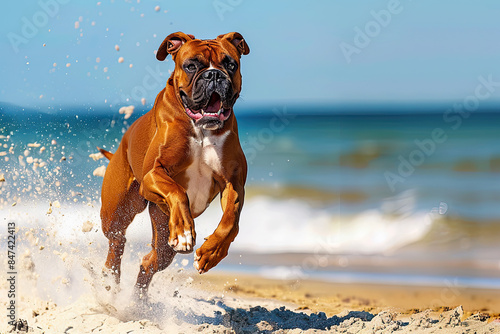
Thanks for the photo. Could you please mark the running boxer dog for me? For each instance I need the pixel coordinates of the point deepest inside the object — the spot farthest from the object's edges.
(178, 157)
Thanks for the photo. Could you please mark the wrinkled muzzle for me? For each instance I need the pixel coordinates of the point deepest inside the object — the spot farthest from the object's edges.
(212, 99)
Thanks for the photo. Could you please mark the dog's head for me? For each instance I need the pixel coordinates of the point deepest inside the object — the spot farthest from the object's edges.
(207, 77)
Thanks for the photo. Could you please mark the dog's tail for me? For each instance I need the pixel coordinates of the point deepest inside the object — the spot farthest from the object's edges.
(107, 154)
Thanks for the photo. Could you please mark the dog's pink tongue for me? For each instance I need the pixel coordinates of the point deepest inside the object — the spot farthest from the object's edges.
(214, 104)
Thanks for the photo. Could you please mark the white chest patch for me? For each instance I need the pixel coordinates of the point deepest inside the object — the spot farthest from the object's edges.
(206, 152)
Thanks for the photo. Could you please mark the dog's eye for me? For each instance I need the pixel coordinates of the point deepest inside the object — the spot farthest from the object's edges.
(191, 68)
(231, 67)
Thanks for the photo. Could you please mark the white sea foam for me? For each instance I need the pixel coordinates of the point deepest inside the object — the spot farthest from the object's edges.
(267, 226)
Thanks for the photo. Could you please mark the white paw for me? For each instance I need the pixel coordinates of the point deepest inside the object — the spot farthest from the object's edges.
(184, 243)
(196, 265)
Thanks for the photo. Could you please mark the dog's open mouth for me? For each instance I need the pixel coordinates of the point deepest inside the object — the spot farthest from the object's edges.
(212, 111)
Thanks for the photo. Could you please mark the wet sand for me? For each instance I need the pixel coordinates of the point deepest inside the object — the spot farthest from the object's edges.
(333, 298)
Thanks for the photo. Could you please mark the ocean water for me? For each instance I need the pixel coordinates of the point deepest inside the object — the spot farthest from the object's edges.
(344, 192)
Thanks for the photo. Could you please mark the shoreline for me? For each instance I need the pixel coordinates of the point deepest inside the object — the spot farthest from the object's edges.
(399, 268)
(333, 298)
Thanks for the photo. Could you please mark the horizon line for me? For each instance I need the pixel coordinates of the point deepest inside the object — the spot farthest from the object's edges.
(319, 107)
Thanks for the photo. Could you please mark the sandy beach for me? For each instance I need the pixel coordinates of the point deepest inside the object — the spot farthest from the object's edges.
(181, 301)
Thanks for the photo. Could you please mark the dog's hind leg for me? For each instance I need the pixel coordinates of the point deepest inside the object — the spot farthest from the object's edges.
(160, 256)
(121, 201)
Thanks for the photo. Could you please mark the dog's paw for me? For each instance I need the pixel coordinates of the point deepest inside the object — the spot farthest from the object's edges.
(182, 242)
(182, 234)
(210, 254)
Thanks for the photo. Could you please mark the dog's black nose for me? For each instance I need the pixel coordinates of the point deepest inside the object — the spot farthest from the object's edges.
(210, 75)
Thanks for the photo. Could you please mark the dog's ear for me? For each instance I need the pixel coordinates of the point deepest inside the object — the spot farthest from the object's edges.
(238, 41)
(172, 43)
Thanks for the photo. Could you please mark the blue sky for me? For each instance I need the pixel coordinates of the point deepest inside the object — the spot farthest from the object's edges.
(426, 51)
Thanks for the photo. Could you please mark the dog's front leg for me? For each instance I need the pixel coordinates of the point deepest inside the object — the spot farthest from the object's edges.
(172, 199)
(216, 246)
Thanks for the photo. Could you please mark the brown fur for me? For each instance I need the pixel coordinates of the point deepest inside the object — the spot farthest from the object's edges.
(150, 164)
